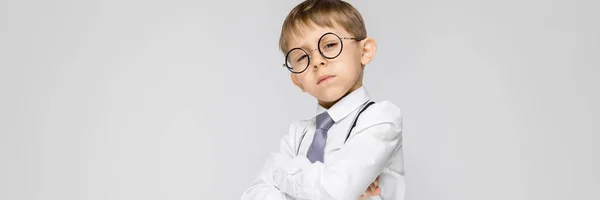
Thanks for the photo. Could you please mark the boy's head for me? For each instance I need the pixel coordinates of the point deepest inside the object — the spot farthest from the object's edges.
(326, 48)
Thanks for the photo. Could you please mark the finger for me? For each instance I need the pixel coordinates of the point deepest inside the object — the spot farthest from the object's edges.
(372, 188)
(376, 182)
(367, 193)
(376, 192)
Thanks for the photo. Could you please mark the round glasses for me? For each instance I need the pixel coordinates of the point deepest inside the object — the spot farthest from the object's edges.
(330, 47)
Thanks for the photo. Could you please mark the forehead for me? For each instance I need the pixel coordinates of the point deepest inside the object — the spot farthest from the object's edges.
(307, 35)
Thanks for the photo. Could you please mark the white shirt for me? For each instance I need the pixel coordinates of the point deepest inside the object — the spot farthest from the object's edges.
(374, 148)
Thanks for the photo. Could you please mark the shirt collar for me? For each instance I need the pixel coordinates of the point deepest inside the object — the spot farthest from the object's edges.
(346, 105)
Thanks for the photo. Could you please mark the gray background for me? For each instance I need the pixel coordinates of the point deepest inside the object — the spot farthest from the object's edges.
(135, 99)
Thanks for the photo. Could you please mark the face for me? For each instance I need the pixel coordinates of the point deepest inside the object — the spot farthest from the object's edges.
(329, 80)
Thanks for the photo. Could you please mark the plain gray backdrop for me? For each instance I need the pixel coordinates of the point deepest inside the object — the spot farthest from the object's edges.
(185, 99)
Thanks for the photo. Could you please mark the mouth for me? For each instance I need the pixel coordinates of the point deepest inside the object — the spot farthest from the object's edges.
(325, 78)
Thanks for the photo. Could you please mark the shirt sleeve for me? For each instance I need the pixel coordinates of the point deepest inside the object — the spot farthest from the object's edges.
(263, 187)
(349, 171)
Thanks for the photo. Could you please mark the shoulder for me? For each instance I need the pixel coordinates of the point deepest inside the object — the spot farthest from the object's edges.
(383, 112)
(300, 125)
(382, 119)
(297, 129)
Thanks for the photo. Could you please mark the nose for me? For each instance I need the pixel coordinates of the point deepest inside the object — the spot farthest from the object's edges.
(318, 59)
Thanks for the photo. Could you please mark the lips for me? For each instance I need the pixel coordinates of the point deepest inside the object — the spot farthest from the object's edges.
(325, 78)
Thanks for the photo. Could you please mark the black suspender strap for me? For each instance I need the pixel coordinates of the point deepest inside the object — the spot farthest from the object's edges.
(356, 119)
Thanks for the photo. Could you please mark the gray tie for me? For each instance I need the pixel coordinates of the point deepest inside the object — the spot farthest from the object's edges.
(315, 151)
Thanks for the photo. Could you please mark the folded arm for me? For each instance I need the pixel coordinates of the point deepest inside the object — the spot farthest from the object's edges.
(263, 187)
(349, 171)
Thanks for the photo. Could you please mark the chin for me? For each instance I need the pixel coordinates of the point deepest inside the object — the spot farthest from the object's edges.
(331, 94)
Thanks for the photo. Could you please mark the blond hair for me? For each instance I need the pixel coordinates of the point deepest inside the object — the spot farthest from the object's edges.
(323, 13)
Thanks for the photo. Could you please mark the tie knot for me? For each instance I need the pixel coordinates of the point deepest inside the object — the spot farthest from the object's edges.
(324, 121)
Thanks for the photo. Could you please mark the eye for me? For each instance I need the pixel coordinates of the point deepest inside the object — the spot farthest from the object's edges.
(301, 58)
(330, 45)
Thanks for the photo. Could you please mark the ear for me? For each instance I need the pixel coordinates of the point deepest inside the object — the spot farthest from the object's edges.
(369, 47)
(296, 82)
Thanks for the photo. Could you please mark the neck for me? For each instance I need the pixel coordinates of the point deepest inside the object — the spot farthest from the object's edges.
(328, 105)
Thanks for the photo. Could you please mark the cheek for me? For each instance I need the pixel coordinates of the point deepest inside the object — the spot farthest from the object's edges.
(305, 79)
(349, 66)
(351, 59)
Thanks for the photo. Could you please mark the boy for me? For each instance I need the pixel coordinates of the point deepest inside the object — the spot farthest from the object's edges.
(352, 148)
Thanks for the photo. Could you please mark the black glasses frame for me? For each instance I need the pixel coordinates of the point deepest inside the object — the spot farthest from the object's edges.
(320, 51)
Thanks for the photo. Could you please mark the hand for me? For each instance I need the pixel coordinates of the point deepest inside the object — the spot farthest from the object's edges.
(372, 190)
